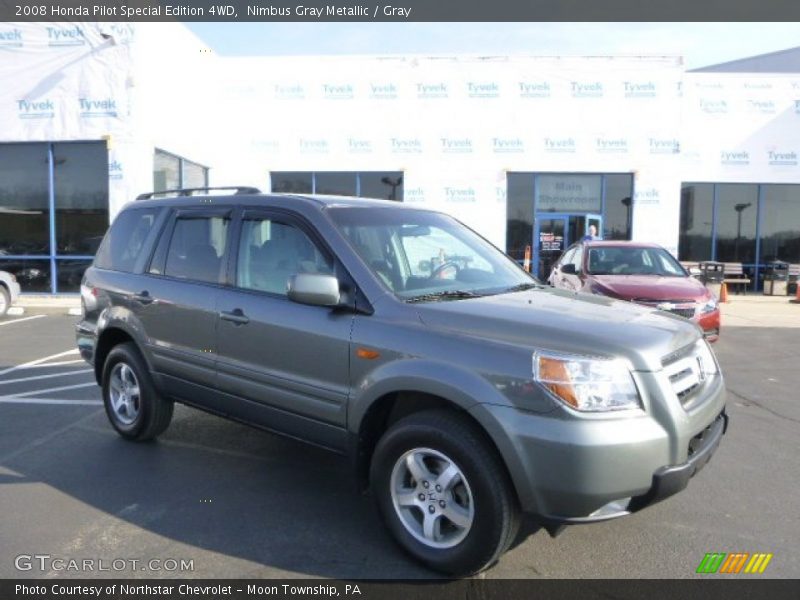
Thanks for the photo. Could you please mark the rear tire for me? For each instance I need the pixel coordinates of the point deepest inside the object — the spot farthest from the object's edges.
(444, 492)
(134, 407)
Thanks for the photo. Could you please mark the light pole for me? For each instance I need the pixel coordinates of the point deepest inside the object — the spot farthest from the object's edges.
(394, 184)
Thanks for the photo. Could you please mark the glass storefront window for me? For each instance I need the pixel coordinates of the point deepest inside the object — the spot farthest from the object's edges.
(24, 200)
(697, 212)
(383, 185)
(81, 197)
(780, 223)
(33, 276)
(618, 207)
(194, 175)
(166, 172)
(336, 183)
(171, 172)
(292, 183)
(519, 214)
(70, 273)
(737, 210)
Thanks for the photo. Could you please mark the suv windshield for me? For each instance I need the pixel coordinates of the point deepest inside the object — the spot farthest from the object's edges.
(423, 255)
(624, 260)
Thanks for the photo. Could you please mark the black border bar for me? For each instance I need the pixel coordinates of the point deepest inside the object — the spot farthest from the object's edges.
(709, 588)
(399, 10)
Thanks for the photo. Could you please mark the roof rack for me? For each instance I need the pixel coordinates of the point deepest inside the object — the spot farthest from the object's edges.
(239, 190)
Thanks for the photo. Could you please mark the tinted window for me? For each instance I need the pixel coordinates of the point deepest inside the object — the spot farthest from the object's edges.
(81, 194)
(737, 207)
(697, 210)
(291, 183)
(270, 252)
(617, 217)
(519, 214)
(196, 248)
(780, 223)
(125, 240)
(388, 185)
(338, 184)
(24, 212)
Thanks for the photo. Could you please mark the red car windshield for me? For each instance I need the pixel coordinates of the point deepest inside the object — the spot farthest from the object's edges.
(625, 260)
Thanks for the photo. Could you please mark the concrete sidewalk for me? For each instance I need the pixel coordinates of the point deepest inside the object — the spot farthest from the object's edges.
(760, 311)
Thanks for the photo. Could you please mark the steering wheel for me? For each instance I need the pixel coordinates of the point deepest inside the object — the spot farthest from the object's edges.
(438, 270)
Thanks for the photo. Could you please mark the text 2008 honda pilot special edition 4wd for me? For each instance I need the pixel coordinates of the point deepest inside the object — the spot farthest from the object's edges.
(464, 392)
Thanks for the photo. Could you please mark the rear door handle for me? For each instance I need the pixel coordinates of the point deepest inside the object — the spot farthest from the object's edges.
(236, 316)
(143, 297)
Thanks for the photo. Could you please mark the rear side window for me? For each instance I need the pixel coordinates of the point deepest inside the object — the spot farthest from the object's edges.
(196, 249)
(124, 242)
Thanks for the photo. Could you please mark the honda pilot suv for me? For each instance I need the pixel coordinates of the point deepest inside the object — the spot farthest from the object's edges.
(463, 392)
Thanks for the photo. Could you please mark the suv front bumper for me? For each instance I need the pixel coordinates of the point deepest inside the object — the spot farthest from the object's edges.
(593, 469)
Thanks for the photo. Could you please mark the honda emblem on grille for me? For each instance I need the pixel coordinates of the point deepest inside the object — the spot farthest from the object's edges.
(665, 306)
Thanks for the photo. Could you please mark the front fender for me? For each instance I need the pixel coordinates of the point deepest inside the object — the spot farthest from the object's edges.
(459, 386)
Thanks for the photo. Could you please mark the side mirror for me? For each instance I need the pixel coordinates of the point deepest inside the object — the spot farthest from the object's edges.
(568, 269)
(316, 289)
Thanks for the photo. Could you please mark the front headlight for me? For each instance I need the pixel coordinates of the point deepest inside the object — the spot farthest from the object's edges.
(587, 383)
(707, 361)
(709, 306)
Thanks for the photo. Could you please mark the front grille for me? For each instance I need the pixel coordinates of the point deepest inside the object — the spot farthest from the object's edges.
(685, 372)
(686, 313)
(682, 308)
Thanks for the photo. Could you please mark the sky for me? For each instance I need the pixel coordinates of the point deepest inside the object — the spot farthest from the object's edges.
(701, 44)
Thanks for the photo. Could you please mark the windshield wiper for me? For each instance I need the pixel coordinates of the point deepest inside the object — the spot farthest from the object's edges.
(444, 294)
(522, 287)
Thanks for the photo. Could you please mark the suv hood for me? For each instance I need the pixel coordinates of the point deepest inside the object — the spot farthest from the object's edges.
(562, 321)
(650, 287)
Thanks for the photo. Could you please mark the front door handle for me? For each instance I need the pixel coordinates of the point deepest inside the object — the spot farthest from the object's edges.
(143, 297)
(236, 316)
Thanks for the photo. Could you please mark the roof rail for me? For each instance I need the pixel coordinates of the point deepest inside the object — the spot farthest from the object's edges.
(239, 190)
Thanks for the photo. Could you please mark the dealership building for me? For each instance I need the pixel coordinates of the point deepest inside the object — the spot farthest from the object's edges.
(527, 150)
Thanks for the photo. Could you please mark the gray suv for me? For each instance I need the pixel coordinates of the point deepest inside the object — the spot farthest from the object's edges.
(464, 393)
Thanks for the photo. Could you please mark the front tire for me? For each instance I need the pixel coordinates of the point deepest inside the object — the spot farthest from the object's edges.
(444, 493)
(133, 406)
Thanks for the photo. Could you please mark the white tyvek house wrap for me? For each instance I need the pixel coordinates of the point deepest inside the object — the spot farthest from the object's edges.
(92, 81)
(741, 128)
(456, 125)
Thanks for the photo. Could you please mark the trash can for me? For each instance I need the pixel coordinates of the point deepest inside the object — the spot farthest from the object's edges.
(776, 278)
(711, 274)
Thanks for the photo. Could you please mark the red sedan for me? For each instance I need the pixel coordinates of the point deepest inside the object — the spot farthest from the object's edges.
(637, 272)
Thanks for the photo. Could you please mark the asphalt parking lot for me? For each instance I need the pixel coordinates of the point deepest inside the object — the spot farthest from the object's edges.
(236, 502)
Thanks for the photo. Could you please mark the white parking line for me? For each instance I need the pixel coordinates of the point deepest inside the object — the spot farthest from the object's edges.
(18, 400)
(47, 391)
(21, 320)
(59, 363)
(66, 374)
(38, 361)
